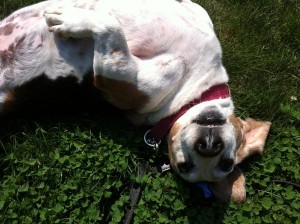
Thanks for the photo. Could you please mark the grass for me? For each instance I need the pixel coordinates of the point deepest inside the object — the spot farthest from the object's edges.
(78, 168)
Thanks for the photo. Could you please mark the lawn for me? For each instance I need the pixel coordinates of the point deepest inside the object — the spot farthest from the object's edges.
(78, 167)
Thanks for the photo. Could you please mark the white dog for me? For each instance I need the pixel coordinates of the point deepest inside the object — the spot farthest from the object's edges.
(158, 59)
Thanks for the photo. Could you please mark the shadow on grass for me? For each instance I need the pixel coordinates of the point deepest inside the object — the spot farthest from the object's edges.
(100, 118)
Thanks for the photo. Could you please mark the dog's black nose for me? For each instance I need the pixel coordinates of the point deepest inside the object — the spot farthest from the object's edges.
(210, 117)
(209, 143)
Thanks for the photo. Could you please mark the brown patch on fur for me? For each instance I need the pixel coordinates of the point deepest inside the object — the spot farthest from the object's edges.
(7, 57)
(251, 136)
(238, 126)
(174, 130)
(122, 94)
(232, 187)
(255, 135)
(171, 156)
(7, 29)
(9, 101)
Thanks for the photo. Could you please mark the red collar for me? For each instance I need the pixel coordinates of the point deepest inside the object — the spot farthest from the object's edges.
(220, 91)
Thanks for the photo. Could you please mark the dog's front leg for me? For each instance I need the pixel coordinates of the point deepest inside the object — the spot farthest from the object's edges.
(112, 58)
(126, 80)
(115, 68)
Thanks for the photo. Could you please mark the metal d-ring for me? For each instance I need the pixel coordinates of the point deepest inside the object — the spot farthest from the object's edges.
(150, 141)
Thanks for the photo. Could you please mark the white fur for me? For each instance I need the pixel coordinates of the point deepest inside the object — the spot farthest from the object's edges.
(189, 59)
(166, 49)
(167, 43)
(206, 168)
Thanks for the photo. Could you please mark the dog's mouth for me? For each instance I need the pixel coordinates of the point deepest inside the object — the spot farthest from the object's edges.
(203, 148)
(206, 158)
(210, 118)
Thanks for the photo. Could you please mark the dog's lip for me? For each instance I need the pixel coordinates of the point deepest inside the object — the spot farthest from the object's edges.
(211, 117)
(207, 125)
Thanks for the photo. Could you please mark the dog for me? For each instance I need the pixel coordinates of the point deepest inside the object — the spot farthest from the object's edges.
(159, 60)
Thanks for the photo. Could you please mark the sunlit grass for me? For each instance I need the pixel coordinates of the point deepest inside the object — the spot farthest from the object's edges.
(79, 168)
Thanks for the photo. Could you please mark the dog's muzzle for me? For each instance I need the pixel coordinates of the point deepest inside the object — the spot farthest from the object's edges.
(209, 143)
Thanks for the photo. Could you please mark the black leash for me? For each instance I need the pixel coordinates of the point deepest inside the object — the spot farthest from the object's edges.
(160, 167)
(135, 193)
(136, 188)
(143, 169)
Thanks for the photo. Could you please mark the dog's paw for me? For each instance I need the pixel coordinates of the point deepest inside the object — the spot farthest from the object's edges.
(68, 22)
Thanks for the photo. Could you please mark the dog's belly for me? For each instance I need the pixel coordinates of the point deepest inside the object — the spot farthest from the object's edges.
(151, 30)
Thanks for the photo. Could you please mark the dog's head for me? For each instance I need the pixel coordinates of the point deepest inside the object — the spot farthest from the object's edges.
(208, 141)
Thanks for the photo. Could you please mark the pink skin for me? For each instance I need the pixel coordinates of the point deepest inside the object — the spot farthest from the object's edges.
(16, 25)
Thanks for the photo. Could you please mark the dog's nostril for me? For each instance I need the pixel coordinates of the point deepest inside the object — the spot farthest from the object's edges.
(218, 147)
(201, 146)
(185, 167)
(226, 165)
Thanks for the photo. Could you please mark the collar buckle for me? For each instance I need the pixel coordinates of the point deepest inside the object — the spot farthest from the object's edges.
(150, 141)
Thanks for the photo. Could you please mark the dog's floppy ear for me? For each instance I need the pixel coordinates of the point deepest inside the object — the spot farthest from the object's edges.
(232, 187)
(255, 135)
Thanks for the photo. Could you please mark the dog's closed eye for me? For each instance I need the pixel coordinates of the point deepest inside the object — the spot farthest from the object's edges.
(185, 167)
(226, 165)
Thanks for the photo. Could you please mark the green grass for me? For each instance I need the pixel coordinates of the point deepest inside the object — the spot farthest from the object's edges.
(78, 168)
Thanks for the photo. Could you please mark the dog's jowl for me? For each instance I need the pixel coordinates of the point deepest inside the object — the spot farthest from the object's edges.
(158, 59)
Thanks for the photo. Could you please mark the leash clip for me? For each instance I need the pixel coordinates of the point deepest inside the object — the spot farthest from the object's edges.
(165, 167)
(150, 141)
